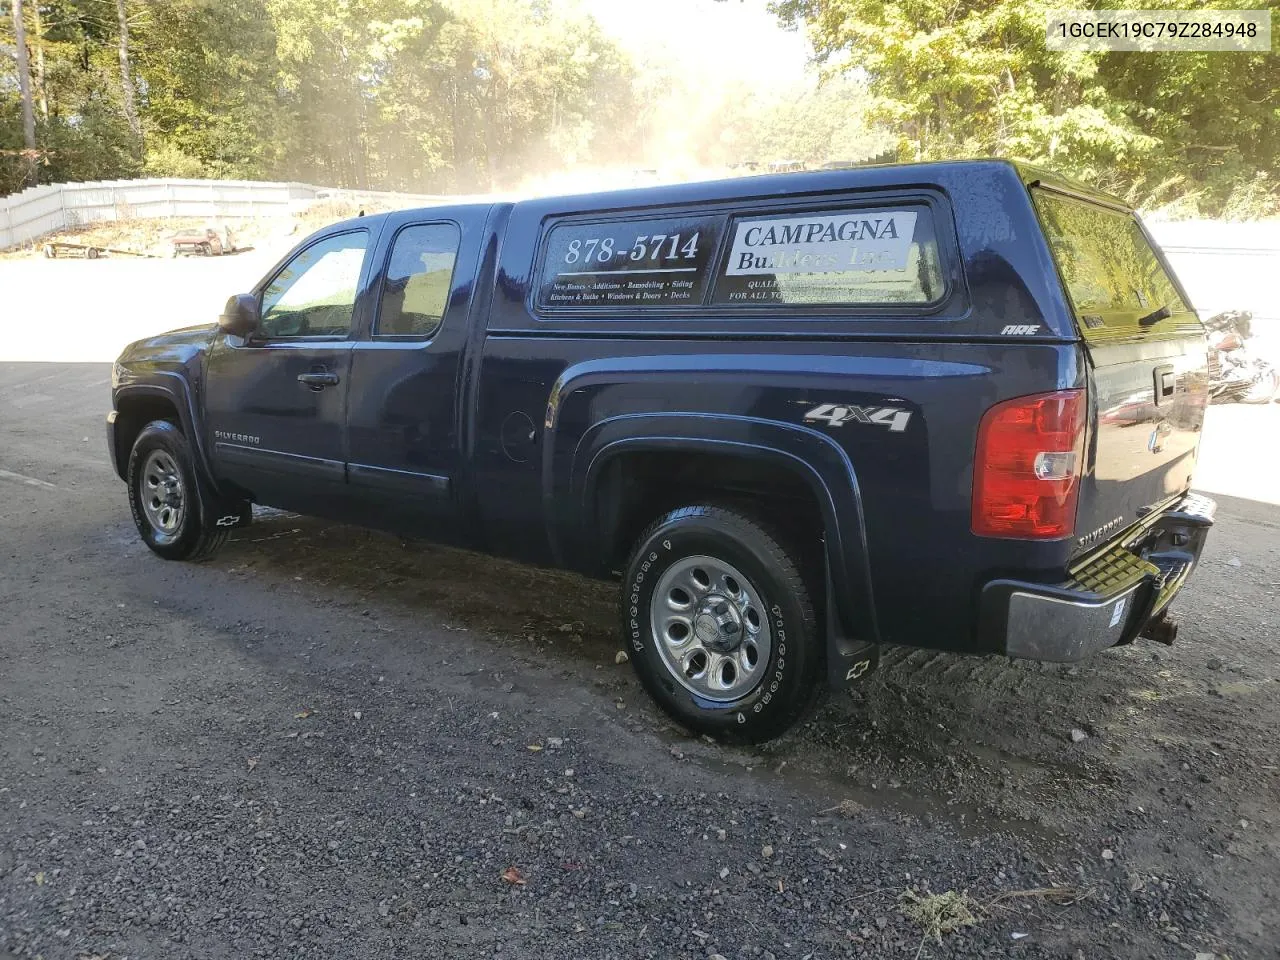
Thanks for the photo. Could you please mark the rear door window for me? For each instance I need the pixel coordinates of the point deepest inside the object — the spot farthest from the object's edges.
(857, 256)
(419, 274)
(1111, 273)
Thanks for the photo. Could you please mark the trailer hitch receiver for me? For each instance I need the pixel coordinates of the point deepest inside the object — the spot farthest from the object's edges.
(1161, 629)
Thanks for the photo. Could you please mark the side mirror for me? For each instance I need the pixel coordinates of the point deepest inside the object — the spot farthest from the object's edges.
(240, 315)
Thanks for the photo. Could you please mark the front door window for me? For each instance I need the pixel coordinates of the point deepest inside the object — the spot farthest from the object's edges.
(314, 295)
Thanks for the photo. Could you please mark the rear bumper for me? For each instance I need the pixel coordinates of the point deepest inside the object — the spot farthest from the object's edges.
(1109, 599)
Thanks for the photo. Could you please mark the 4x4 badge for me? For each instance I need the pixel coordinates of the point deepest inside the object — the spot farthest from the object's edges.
(833, 414)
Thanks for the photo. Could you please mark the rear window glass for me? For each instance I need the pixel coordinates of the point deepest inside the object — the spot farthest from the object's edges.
(1110, 271)
(653, 262)
(850, 257)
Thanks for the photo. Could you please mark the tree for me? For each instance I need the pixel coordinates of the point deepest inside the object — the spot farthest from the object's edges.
(129, 96)
(956, 78)
(36, 40)
(24, 92)
(970, 77)
(212, 104)
(428, 95)
(829, 123)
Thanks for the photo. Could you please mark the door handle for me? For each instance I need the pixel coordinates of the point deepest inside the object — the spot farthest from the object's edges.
(1165, 382)
(318, 381)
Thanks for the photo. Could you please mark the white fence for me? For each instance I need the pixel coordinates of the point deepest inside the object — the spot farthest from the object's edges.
(1226, 266)
(26, 216)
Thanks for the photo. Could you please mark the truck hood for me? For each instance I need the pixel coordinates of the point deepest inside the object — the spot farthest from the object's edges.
(176, 345)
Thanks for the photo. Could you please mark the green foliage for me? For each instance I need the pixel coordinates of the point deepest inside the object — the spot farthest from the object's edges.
(97, 145)
(801, 125)
(80, 131)
(830, 123)
(13, 163)
(208, 68)
(1252, 199)
(962, 78)
(166, 159)
(422, 95)
(475, 95)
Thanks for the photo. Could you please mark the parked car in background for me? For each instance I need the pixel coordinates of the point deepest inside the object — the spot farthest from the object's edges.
(207, 241)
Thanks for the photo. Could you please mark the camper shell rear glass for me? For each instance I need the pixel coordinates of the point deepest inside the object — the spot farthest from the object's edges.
(1116, 281)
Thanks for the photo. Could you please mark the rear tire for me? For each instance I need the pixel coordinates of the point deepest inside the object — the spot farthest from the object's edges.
(174, 512)
(719, 625)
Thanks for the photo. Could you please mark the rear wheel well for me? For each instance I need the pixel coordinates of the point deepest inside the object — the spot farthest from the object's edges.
(636, 488)
(134, 413)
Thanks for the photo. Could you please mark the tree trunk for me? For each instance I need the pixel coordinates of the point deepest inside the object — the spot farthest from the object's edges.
(126, 78)
(453, 134)
(42, 91)
(24, 91)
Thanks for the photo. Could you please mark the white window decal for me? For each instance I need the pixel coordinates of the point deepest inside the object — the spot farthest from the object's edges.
(858, 240)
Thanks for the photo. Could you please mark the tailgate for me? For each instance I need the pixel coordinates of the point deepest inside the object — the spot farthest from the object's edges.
(1148, 362)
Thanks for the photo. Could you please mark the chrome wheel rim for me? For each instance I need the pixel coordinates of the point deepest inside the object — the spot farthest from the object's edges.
(164, 500)
(711, 628)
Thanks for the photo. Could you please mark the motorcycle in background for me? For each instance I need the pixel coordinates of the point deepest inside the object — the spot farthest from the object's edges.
(1235, 374)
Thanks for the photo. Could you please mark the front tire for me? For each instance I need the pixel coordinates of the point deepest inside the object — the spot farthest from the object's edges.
(720, 626)
(172, 509)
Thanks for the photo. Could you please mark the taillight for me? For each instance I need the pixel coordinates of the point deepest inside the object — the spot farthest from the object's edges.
(1026, 475)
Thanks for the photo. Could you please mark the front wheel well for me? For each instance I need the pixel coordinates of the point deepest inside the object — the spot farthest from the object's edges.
(134, 413)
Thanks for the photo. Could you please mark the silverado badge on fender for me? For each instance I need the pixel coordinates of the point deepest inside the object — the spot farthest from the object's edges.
(834, 414)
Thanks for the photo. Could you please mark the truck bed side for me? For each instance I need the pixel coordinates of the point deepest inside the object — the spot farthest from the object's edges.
(584, 434)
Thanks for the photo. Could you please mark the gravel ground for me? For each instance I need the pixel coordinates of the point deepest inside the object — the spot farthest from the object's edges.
(330, 743)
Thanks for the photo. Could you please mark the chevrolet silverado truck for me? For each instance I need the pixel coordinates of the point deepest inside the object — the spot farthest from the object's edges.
(798, 416)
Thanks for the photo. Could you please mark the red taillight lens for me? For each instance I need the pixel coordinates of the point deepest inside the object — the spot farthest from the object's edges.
(1026, 475)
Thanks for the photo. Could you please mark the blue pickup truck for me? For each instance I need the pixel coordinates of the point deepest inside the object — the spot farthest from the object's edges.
(950, 405)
